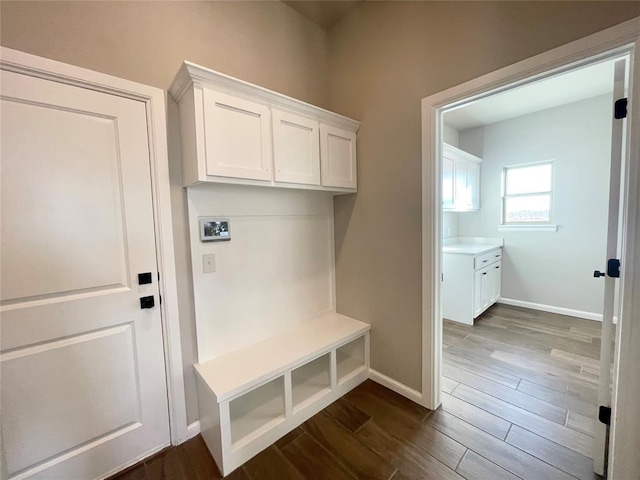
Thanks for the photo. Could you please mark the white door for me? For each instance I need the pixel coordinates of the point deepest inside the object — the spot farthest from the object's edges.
(237, 137)
(82, 366)
(605, 387)
(296, 149)
(338, 157)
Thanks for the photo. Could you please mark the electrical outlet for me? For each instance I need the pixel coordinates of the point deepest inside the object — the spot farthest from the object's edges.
(209, 263)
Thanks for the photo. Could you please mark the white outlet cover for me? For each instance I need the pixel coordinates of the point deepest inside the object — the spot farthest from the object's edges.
(209, 263)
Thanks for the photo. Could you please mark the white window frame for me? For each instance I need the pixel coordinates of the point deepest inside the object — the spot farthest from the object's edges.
(546, 225)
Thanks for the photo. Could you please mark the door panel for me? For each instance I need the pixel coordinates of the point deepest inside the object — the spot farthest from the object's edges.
(600, 451)
(83, 380)
(38, 254)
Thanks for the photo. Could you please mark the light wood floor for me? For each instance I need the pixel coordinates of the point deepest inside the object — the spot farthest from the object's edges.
(519, 402)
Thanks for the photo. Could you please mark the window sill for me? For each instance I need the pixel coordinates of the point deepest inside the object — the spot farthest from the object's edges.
(528, 228)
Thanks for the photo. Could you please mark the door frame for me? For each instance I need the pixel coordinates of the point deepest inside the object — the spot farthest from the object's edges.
(154, 100)
(615, 41)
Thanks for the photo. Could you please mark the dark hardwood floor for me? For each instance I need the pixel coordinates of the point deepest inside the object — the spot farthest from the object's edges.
(519, 402)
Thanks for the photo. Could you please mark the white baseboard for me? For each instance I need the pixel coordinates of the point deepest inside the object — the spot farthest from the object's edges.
(396, 386)
(550, 308)
(193, 429)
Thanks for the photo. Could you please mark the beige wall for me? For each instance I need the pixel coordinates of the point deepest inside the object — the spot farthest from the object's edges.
(383, 58)
(266, 43)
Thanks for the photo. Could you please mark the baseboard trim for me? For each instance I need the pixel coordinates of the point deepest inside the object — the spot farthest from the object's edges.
(551, 309)
(193, 429)
(396, 386)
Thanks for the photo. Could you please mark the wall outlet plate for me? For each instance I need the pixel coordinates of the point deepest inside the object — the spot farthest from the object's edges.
(213, 229)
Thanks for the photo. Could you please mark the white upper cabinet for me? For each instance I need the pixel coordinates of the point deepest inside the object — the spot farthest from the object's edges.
(338, 153)
(237, 137)
(460, 180)
(296, 148)
(239, 133)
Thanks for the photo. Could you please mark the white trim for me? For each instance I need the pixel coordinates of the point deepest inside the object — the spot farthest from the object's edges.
(193, 429)
(153, 98)
(610, 43)
(550, 308)
(399, 388)
(547, 227)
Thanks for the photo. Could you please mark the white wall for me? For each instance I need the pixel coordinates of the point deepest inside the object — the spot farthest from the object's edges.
(276, 271)
(550, 268)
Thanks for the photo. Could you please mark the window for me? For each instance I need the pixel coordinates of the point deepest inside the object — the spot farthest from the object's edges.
(527, 194)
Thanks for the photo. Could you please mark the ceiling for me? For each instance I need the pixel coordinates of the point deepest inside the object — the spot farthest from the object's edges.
(324, 13)
(566, 88)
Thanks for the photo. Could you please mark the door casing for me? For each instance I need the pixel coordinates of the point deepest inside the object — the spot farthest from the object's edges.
(610, 43)
(153, 99)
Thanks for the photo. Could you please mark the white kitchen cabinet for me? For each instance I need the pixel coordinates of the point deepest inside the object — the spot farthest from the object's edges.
(486, 287)
(471, 281)
(237, 133)
(237, 137)
(460, 180)
(338, 154)
(296, 148)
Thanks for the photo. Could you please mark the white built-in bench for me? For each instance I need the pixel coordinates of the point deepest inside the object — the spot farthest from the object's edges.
(251, 397)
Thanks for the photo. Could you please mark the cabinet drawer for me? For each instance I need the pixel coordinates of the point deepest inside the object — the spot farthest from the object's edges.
(482, 261)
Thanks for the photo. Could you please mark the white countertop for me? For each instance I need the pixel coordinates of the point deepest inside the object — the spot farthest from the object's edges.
(471, 245)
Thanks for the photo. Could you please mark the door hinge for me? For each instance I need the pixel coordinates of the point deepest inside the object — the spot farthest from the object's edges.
(620, 109)
(613, 268)
(604, 415)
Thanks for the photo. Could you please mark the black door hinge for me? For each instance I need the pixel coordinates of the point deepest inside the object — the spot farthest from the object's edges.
(620, 109)
(604, 415)
(613, 268)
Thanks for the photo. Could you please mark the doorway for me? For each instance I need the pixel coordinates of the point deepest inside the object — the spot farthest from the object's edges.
(571, 58)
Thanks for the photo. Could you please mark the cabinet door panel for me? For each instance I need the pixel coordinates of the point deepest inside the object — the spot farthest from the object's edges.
(338, 157)
(237, 137)
(461, 188)
(473, 185)
(448, 202)
(296, 148)
(495, 281)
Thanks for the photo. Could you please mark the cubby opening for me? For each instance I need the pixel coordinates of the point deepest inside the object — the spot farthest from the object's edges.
(256, 411)
(350, 358)
(310, 381)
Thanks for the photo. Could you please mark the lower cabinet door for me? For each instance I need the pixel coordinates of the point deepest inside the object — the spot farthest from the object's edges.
(495, 282)
(480, 291)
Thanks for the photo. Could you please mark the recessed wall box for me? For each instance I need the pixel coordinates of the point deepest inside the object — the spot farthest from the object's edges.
(214, 229)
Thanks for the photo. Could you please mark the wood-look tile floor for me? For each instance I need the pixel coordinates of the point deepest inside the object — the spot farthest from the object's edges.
(519, 402)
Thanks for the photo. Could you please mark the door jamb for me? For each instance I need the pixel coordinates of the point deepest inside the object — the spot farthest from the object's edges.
(154, 100)
(614, 41)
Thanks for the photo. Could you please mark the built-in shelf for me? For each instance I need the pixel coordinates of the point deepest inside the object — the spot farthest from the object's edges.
(252, 412)
(251, 397)
(310, 380)
(350, 358)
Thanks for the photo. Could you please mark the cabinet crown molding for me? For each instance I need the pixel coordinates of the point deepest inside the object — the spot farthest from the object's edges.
(196, 75)
(455, 152)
